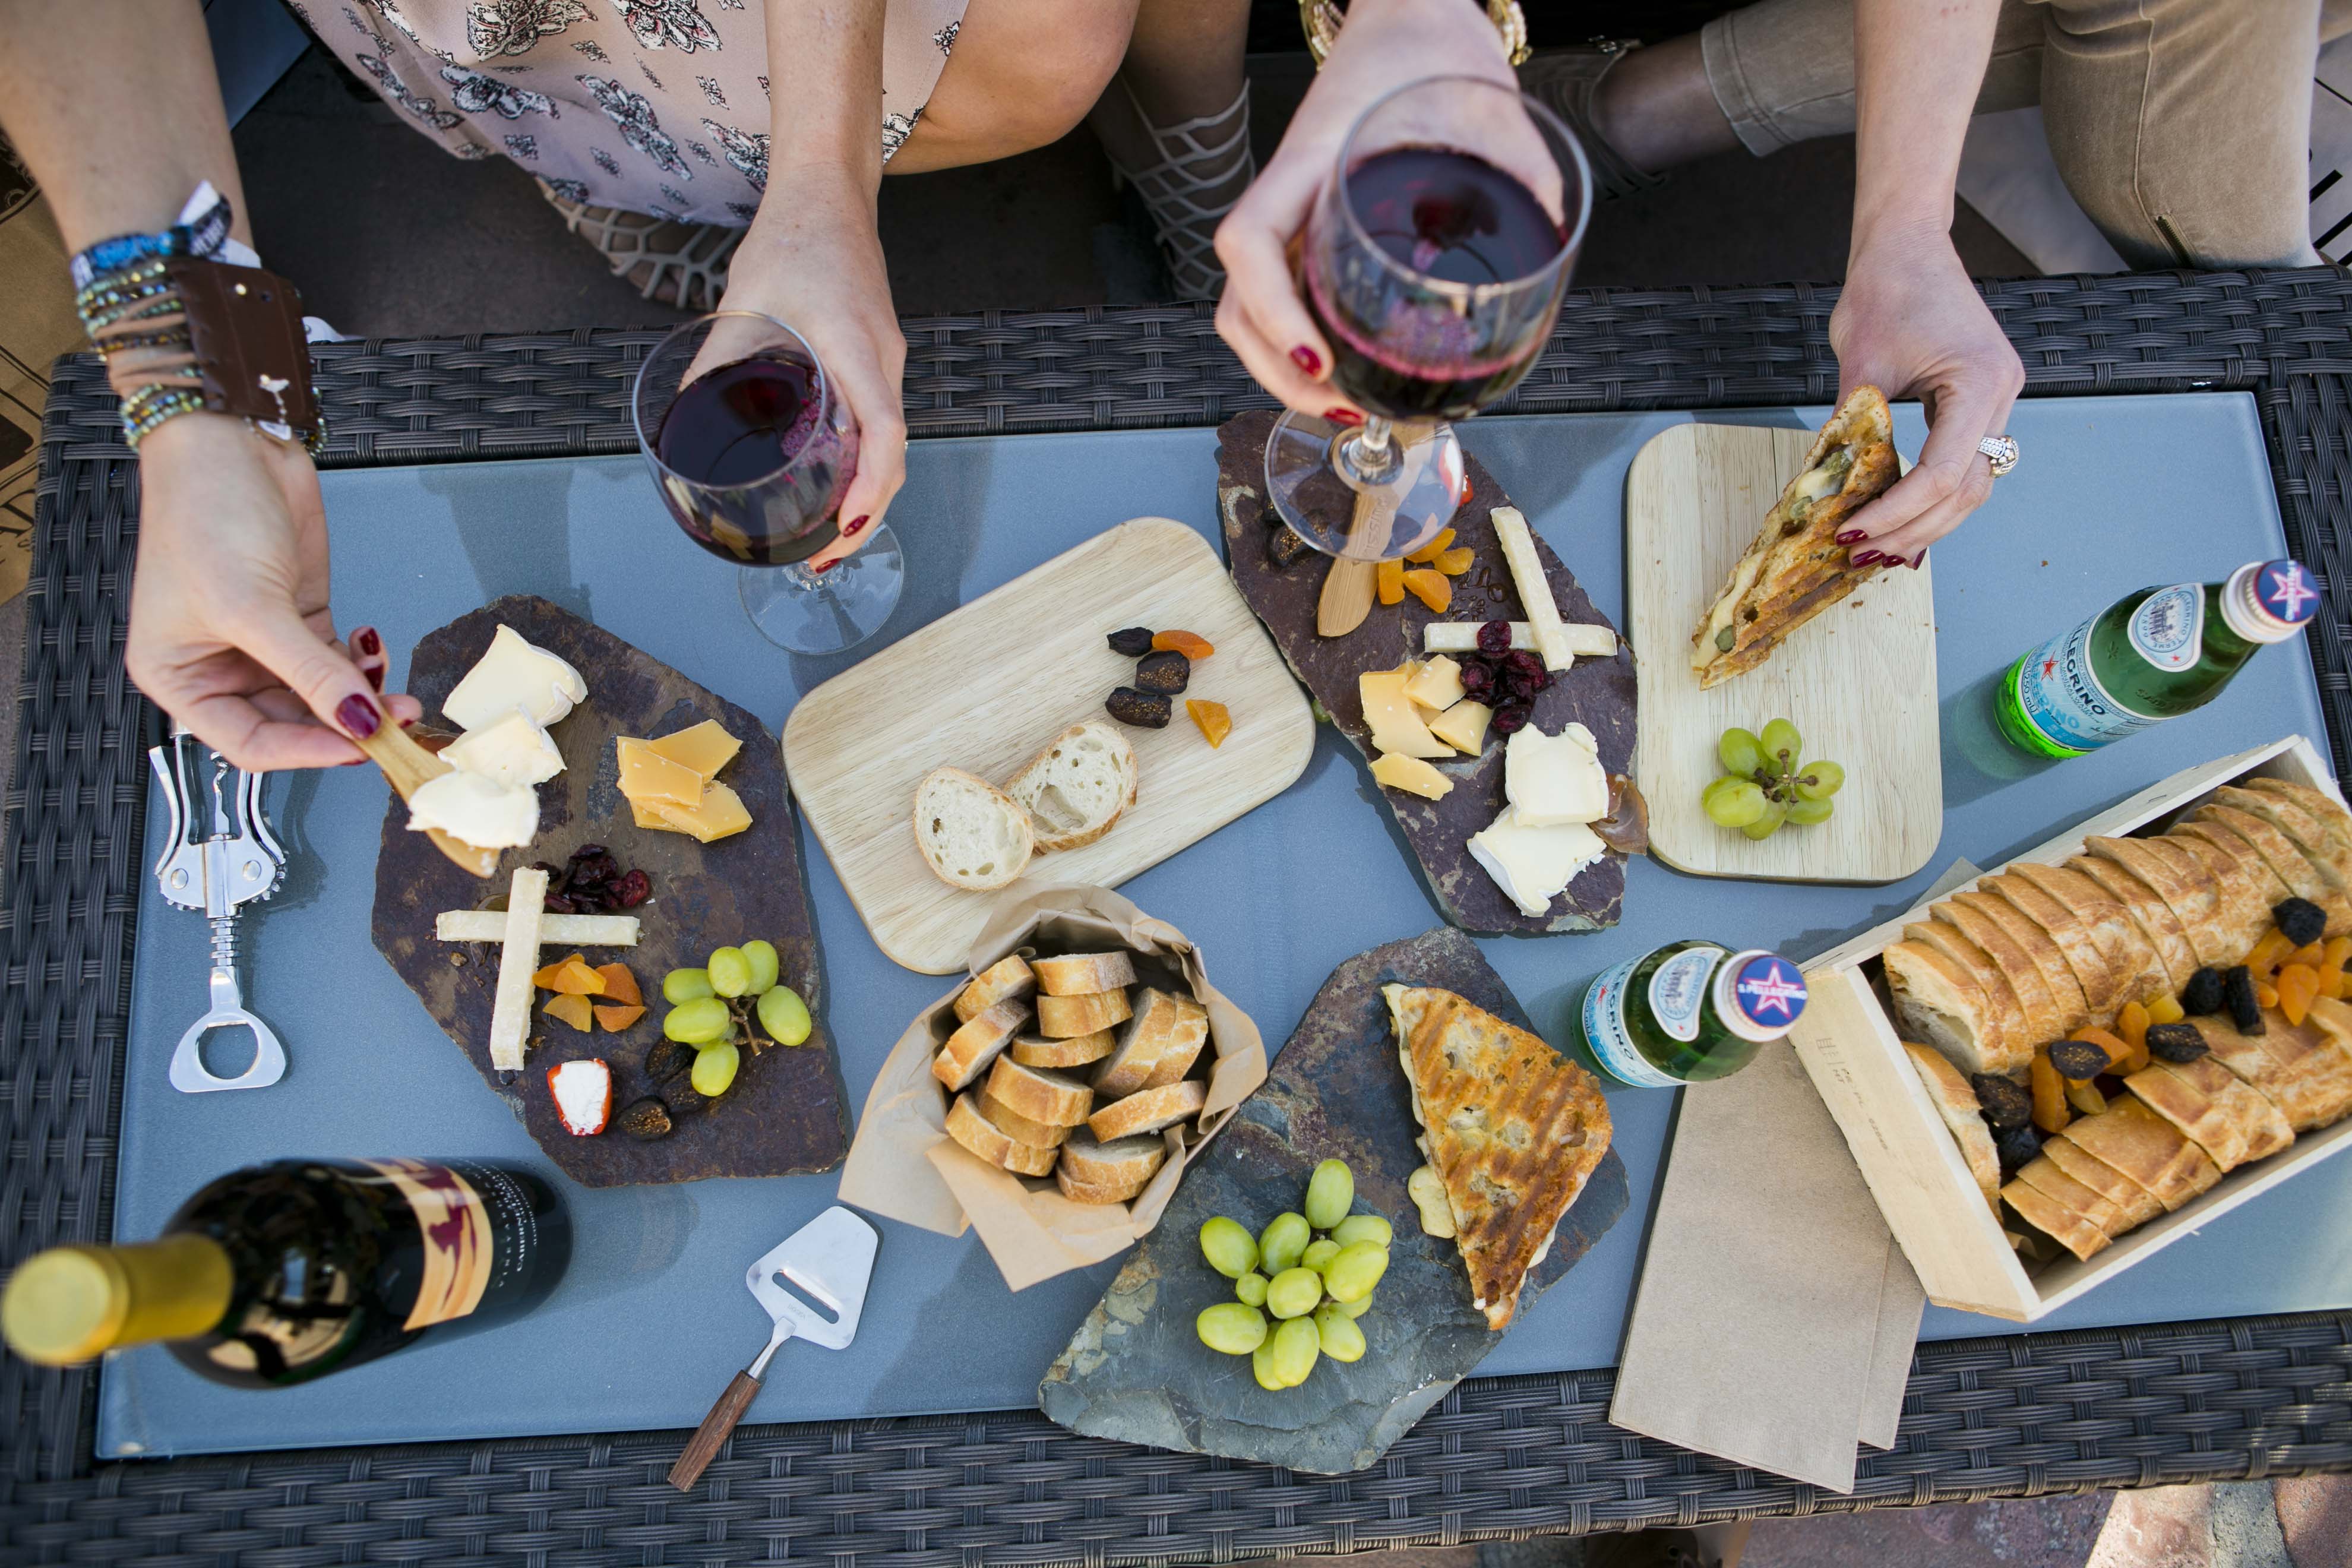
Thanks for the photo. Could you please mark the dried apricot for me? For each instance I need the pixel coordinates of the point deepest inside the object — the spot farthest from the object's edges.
(1430, 551)
(2049, 1112)
(2266, 994)
(1453, 563)
(572, 1009)
(1431, 588)
(2132, 1025)
(573, 978)
(617, 1018)
(1389, 576)
(620, 984)
(2297, 984)
(2269, 954)
(2168, 1010)
(2332, 978)
(1214, 721)
(1191, 645)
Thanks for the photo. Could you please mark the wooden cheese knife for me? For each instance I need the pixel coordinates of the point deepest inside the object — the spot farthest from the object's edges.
(407, 767)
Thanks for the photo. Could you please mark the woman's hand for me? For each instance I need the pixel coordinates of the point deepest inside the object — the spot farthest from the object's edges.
(813, 260)
(1385, 43)
(230, 631)
(1910, 323)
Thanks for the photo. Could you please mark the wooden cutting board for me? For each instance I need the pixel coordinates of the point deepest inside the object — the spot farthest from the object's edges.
(990, 686)
(1858, 680)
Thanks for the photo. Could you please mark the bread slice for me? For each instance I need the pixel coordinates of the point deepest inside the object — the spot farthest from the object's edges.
(1956, 1102)
(1079, 1192)
(1013, 1125)
(2045, 1176)
(2290, 865)
(2061, 1225)
(2135, 1203)
(2129, 953)
(975, 1043)
(1065, 1017)
(2066, 989)
(2190, 891)
(1041, 1094)
(2326, 842)
(1149, 1111)
(1125, 1162)
(971, 834)
(1938, 1001)
(2148, 912)
(1081, 973)
(1007, 978)
(2146, 1148)
(2303, 1069)
(2214, 1109)
(2042, 1019)
(2321, 806)
(1074, 1052)
(2331, 1022)
(2244, 912)
(2001, 996)
(1164, 1022)
(2103, 987)
(968, 1127)
(1074, 789)
(2268, 885)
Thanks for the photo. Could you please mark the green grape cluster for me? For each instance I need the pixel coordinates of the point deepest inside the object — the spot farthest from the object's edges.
(1766, 782)
(714, 1009)
(1313, 1273)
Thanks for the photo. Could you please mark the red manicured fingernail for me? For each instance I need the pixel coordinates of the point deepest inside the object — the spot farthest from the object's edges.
(850, 532)
(374, 672)
(1915, 559)
(1853, 536)
(366, 643)
(825, 566)
(358, 715)
(1343, 416)
(1865, 558)
(1307, 359)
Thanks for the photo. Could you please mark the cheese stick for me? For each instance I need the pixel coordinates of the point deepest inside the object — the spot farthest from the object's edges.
(518, 960)
(1535, 589)
(1462, 637)
(554, 931)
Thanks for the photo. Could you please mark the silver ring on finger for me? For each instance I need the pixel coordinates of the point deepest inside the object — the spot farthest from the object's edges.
(2001, 451)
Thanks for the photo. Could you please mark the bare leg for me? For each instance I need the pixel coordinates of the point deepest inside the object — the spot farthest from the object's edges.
(1023, 73)
(1656, 108)
(1184, 62)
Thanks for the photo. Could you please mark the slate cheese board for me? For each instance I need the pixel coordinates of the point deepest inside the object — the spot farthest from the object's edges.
(1596, 693)
(788, 1111)
(1137, 1370)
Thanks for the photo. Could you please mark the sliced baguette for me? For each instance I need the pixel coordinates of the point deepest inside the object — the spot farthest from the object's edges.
(1956, 1102)
(2074, 1007)
(1149, 1111)
(971, 834)
(1007, 978)
(1938, 1001)
(975, 1043)
(2290, 864)
(2103, 988)
(2326, 844)
(1122, 1166)
(1074, 1052)
(2001, 997)
(2112, 931)
(1083, 974)
(2303, 1069)
(2042, 1019)
(2068, 1194)
(1061, 1017)
(1013, 1125)
(2214, 1109)
(2323, 813)
(2262, 877)
(2135, 1203)
(2148, 910)
(991, 1143)
(1041, 1094)
(1074, 789)
(1166, 1024)
(2242, 913)
(1079, 1192)
(2061, 1225)
(2146, 1148)
(2190, 891)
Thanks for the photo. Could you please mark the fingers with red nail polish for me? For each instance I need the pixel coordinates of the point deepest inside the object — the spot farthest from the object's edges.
(1308, 362)
(1852, 536)
(367, 652)
(849, 529)
(1865, 558)
(1348, 416)
(358, 715)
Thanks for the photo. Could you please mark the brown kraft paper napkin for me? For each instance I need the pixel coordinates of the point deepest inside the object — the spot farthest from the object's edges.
(904, 1166)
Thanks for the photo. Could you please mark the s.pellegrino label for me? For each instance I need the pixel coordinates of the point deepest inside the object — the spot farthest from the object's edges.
(1606, 1033)
(1688, 1011)
(2169, 628)
(1679, 991)
(2062, 697)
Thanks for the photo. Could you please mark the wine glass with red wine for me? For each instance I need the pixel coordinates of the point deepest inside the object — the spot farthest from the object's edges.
(753, 450)
(1434, 261)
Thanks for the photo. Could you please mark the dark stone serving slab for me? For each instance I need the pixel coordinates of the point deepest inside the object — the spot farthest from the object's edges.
(1137, 1370)
(1596, 693)
(788, 1111)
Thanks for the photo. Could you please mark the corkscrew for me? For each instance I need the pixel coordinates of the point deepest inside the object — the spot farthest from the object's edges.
(216, 865)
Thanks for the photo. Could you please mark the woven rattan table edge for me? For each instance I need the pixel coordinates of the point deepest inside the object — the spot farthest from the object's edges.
(2281, 335)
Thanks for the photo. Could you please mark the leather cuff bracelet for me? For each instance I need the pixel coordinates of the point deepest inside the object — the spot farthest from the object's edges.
(181, 333)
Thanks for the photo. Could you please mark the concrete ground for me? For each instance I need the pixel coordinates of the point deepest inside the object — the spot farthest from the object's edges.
(390, 236)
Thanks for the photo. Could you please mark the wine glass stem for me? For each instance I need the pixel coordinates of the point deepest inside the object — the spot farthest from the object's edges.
(799, 576)
(1368, 456)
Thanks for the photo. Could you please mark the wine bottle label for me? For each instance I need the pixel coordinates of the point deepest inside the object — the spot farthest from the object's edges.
(455, 1226)
(2169, 628)
(1678, 990)
(2060, 696)
(1606, 1035)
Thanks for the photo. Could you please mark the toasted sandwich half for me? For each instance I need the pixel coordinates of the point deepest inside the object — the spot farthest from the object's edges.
(1513, 1129)
(1796, 568)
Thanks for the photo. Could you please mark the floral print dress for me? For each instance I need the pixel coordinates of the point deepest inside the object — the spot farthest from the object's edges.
(654, 106)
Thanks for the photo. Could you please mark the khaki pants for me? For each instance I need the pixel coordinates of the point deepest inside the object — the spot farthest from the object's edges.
(2182, 126)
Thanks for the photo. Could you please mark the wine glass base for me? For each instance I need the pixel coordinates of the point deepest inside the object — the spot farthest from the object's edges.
(803, 611)
(1342, 510)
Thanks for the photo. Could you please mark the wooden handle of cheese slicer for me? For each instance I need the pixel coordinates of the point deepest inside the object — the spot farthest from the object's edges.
(408, 765)
(703, 1446)
(1347, 597)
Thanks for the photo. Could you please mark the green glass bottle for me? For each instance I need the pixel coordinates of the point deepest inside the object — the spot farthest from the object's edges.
(2153, 655)
(1688, 1011)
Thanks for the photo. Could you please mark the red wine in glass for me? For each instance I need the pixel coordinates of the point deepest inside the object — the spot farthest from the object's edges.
(1406, 351)
(764, 477)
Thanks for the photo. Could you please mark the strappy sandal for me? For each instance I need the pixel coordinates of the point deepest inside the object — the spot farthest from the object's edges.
(1197, 158)
(1565, 82)
(680, 264)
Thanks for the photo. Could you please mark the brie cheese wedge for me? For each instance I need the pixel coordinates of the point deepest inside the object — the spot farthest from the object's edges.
(1555, 779)
(477, 810)
(1534, 864)
(514, 673)
(512, 749)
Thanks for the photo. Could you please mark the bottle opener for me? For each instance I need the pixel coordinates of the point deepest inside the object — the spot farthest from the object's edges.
(216, 866)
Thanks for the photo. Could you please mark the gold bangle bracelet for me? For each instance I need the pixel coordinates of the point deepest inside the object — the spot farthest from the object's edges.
(1320, 20)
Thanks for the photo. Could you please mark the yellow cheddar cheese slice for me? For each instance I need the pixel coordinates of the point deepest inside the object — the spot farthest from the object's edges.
(1463, 726)
(1438, 686)
(1412, 775)
(643, 815)
(647, 776)
(1396, 728)
(721, 813)
(703, 748)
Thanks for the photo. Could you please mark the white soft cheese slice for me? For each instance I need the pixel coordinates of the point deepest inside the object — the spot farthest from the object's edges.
(514, 673)
(1554, 779)
(1534, 864)
(480, 811)
(511, 749)
(1534, 588)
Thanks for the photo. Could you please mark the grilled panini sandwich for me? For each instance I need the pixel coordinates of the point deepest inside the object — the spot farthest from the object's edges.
(1796, 568)
(1513, 1129)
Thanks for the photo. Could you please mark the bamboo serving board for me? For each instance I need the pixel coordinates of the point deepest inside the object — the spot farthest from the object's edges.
(1858, 680)
(990, 686)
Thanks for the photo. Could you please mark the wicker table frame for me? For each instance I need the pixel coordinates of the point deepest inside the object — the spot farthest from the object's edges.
(1500, 1458)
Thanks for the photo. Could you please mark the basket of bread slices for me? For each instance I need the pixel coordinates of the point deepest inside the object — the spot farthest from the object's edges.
(2054, 1070)
(1052, 1099)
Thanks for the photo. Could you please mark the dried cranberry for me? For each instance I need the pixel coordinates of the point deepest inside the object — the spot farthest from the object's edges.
(1495, 637)
(596, 870)
(559, 904)
(634, 889)
(1525, 663)
(1510, 717)
(1476, 681)
(587, 851)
